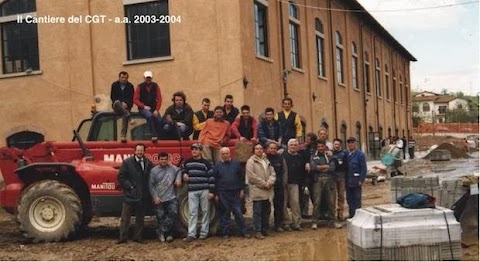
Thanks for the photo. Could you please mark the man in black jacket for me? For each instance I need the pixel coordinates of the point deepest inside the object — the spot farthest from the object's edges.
(133, 177)
(122, 100)
(178, 118)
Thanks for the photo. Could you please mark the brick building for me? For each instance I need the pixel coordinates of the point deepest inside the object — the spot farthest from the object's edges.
(342, 69)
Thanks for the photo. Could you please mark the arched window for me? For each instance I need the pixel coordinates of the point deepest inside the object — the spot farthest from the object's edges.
(387, 82)
(415, 108)
(358, 133)
(320, 43)
(339, 58)
(394, 86)
(378, 79)
(426, 107)
(343, 131)
(366, 76)
(354, 66)
(261, 28)
(24, 139)
(294, 28)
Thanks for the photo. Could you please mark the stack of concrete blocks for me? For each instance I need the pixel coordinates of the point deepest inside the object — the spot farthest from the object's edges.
(391, 232)
(446, 195)
(401, 185)
(450, 192)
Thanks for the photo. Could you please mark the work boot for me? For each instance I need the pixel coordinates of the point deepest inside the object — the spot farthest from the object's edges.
(169, 239)
(287, 228)
(297, 228)
(335, 225)
(188, 239)
(279, 229)
(259, 235)
(161, 237)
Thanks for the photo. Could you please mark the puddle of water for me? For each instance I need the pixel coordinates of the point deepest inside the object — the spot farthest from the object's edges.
(326, 247)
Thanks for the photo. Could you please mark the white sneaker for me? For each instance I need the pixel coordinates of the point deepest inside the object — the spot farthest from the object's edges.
(314, 226)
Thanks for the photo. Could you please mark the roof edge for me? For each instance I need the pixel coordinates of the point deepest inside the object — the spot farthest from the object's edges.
(376, 25)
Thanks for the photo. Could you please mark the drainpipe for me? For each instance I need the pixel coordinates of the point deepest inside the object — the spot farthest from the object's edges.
(394, 95)
(375, 81)
(407, 97)
(92, 71)
(282, 47)
(364, 88)
(332, 36)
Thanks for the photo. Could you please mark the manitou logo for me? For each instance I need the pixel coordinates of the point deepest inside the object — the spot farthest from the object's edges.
(104, 186)
(119, 158)
(116, 157)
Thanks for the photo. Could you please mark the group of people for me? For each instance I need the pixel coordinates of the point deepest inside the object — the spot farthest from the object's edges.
(180, 121)
(280, 171)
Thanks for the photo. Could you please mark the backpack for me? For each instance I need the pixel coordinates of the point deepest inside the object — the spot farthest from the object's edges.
(416, 200)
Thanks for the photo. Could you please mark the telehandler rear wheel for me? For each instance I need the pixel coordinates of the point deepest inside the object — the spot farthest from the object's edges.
(49, 211)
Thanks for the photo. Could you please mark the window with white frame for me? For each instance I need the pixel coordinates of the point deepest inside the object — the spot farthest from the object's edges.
(19, 40)
(147, 40)
(261, 27)
(294, 28)
(339, 58)
(354, 66)
(320, 43)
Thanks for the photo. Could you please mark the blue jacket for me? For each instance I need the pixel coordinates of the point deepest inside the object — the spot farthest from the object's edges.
(228, 176)
(263, 133)
(357, 168)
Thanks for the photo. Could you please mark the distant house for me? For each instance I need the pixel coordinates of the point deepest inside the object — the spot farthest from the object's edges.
(431, 107)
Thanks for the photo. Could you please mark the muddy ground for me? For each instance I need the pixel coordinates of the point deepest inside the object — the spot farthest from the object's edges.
(99, 244)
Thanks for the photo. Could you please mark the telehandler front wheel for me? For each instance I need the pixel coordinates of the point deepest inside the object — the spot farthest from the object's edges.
(49, 211)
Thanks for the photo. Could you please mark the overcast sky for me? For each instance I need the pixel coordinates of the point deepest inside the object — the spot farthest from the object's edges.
(445, 41)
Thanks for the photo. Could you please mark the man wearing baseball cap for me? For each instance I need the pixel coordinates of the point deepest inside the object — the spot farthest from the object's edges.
(148, 98)
(356, 174)
(198, 174)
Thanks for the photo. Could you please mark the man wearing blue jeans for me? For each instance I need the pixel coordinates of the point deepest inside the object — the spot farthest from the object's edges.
(198, 175)
(230, 188)
(148, 98)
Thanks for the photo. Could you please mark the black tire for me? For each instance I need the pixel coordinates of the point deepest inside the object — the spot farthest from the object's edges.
(49, 211)
(183, 213)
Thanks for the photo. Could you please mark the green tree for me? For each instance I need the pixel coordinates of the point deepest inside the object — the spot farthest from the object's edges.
(460, 115)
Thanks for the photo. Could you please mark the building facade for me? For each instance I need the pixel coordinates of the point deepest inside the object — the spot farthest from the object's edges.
(432, 108)
(342, 69)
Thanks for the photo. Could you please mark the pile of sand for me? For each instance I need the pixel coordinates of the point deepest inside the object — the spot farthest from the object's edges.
(454, 151)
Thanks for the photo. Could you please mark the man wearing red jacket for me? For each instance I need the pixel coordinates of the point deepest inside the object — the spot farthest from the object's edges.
(148, 98)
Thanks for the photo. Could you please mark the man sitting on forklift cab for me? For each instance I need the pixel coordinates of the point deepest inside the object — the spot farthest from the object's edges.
(122, 100)
(148, 98)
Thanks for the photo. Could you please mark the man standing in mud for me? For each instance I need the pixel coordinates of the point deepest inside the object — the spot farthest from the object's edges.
(297, 166)
(230, 192)
(133, 177)
(356, 174)
(161, 184)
